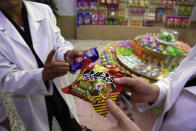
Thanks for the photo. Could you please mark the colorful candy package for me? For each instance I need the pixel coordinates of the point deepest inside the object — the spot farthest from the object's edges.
(95, 85)
(91, 54)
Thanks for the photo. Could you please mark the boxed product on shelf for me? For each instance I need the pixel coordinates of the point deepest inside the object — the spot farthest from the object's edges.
(108, 2)
(174, 13)
(98, 18)
(112, 12)
(177, 22)
(139, 3)
(155, 2)
(135, 11)
(149, 17)
(167, 3)
(185, 10)
(83, 18)
(85, 4)
(185, 2)
(136, 21)
(122, 17)
(159, 14)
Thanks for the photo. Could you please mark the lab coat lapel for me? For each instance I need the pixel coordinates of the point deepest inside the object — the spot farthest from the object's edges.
(9, 30)
(35, 19)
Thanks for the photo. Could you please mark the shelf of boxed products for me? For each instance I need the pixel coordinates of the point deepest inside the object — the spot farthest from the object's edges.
(177, 22)
(145, 56)
(133, 13)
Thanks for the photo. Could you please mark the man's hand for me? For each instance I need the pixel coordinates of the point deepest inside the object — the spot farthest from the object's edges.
(71, 55)
(53, 69)
(124, 123)
(142, 91)
(6, 123)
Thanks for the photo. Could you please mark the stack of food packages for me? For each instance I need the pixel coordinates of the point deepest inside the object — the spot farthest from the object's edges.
(164, 58)
(108, 56)
(145, 56)
(98, 12)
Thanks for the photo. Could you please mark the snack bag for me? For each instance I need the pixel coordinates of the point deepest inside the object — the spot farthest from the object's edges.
(95, 85)
(91, 54)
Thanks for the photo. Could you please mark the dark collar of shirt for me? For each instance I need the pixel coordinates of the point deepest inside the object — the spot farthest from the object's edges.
(191, 82)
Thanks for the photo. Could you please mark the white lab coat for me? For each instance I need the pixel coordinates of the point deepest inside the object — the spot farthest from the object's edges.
(179, 102)
(19, 73)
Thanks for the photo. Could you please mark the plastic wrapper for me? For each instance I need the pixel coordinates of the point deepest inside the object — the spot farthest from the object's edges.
(170, 50)
(91, 54)
(95, 85)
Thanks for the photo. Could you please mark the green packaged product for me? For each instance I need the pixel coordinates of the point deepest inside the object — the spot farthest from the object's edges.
(170, 50)
(178, 51)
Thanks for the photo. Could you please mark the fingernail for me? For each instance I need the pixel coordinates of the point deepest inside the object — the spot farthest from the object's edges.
(109, 103)
(117, 80)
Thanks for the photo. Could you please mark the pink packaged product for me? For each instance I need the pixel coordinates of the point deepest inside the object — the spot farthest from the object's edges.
(167, 3)
(94, 18)
(98, 18)
(137, 11)
(102, 17)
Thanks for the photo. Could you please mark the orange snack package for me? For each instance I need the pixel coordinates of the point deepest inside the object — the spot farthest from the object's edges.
(95, 85)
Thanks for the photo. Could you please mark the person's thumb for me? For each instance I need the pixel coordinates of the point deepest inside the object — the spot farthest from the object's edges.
(123, 80)
(50, 56)
(123, 121)
(116, 112)
(77, 53)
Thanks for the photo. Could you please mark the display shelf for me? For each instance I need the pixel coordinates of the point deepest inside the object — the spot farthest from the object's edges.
(134, 12)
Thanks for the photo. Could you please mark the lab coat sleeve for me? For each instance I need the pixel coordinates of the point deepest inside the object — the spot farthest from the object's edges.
(164, 86)
(22, 82)
(2, 111)
(61, 44)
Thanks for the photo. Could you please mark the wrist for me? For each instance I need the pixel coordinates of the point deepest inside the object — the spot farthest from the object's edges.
(156, 91)
(44, 78)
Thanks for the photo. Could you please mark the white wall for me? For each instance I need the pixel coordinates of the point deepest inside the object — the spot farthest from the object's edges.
(66, 7)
